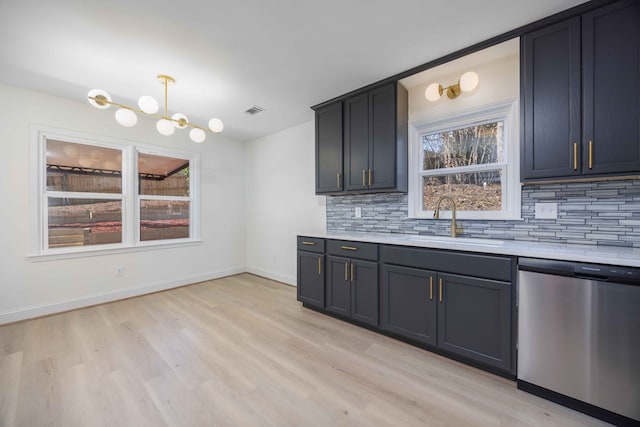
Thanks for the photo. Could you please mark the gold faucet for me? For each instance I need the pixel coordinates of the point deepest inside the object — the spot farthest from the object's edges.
(436, 213)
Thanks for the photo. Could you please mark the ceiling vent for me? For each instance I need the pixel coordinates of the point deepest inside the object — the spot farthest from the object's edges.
(253, 110)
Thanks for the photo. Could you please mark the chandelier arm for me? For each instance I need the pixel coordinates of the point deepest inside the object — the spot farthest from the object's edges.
(166, 97)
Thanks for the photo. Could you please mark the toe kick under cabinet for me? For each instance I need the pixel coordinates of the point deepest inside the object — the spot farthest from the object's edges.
(458, 304)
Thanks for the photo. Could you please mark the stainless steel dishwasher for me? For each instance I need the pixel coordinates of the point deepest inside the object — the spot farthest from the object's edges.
(579, 337)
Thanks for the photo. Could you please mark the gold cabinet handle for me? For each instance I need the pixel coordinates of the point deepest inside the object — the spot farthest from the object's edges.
(309, 243)
(353, 274)
(575, 156)
(338, 180)
(364, 178)
(348, 248)
(370, 174)
(431, 288)
(440, 290)
(319, 266)
(590, 154)
(346, 271)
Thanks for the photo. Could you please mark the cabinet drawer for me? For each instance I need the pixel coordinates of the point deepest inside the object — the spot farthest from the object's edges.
(359, 250)
(477, 265)
(310, 244)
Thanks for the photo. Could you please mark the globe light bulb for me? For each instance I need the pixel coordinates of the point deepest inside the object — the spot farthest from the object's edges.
(197, 135)
(165, 127)
(100, 98)
(182, 120)
(469, 81)
(126, 117)
(148, 104)
(433, 92)
(216, 125)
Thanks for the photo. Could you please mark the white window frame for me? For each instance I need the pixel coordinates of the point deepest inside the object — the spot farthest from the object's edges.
(130, 198)
(506, 111)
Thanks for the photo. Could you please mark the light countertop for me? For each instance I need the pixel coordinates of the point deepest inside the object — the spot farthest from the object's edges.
(613, 255)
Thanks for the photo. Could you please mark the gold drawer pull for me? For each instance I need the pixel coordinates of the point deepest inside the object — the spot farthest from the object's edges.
(348, 248)
(575, 156)
(346, 272)
(319, 266)
(353, 274)
(590, 154)
(309, 243)
(440, 290)
(431, 288)
(370, 174)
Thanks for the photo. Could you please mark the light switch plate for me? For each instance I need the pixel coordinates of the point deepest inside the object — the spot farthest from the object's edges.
(546, 210)
(358, 212)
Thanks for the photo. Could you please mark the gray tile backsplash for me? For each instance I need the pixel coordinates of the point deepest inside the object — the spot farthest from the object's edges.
(595, 213)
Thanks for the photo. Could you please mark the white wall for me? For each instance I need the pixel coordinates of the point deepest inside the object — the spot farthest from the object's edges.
(29, 288)
(281, 200)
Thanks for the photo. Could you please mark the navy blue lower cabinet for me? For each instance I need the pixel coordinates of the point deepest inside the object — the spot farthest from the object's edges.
(311, 278)
(409, 302)
(311, 271)
(458, 304)
(474, 319)
(352, 289)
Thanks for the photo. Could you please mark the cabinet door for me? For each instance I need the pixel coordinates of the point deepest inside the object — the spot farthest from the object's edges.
(311, 279)
(356, 142)
(611, 85)
(474, 319)
(364, 291)
(551, 101)
(338, 286)
(382, 149)
(408, 303)
(329, 177)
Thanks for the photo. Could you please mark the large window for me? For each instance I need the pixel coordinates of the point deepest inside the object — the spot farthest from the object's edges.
(95, 194)
(472, 158)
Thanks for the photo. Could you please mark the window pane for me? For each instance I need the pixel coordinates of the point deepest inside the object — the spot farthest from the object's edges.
(83, 168)
(83, 222)
(163, 176)
(475, 191)
(473, 145)
(164, 219)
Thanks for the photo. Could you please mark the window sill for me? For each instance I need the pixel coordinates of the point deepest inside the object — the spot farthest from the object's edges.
(62, 254)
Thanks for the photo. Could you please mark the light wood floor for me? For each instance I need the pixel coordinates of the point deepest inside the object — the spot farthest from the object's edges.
(240, 351)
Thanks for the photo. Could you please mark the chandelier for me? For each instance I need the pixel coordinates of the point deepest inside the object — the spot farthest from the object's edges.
(126, 115)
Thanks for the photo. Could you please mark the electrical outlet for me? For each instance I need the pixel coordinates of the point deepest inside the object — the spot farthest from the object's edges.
(546, 210)
(120, 271)
(358, 212)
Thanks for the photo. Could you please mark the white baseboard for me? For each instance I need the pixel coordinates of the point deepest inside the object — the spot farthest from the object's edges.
(72, 304)
(273, 276)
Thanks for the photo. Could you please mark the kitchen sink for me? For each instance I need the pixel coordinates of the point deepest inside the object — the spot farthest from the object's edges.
(456, 240)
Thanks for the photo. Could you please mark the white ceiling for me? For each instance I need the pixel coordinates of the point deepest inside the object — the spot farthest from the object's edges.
(226, 56)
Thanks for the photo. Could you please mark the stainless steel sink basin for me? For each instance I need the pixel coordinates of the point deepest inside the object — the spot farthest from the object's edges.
(456, 240)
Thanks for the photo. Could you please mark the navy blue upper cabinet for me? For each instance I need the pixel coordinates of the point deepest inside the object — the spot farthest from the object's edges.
(329, 148)
(611, 89)
(581, 95)
(373, 142)
(551, 92)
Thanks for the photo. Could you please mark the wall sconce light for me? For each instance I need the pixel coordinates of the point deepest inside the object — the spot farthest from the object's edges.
(126, 115)
(466, 83)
